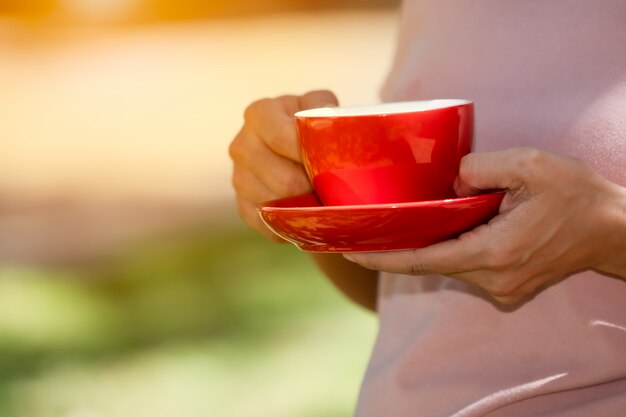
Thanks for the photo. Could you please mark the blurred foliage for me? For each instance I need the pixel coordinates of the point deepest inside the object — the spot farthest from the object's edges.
(218, 322)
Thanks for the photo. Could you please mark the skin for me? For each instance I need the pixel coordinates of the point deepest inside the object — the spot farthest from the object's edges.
(267, 165)
(558, 217)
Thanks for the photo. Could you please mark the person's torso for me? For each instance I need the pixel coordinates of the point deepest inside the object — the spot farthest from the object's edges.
(543, 73)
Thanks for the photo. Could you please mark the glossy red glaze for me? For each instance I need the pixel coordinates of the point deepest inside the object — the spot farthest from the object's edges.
(303, 221)
(381, 158)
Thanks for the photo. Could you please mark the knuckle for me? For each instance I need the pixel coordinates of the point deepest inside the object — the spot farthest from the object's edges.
(500, 286)
(417, 266)
(417, 269)
(234, 150)
(508, 300)
(321, 96)
(583, 171)
(500, 290)
(530, 160)
(237, 150)
(321, 91)
(253, 109)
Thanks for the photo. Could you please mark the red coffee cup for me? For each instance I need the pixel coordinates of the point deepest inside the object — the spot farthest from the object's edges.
(385, 153)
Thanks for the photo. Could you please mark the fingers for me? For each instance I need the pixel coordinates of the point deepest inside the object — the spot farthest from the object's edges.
(248, 212)
(250, 187)
(435, 259)
(250, 193)
(280, 175)
(272, 120)
(528, 288)
(266, 154)
(509, 169)
(318, 98)
(468, 259)
(526, 246)
(505, 287)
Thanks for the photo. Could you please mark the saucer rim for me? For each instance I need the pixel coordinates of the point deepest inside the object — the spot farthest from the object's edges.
(270, 204)
(315, 245)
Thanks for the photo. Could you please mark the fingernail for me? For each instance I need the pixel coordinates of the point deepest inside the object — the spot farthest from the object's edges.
(349, 257)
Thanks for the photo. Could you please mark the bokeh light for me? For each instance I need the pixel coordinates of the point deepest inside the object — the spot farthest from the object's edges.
(101, 10)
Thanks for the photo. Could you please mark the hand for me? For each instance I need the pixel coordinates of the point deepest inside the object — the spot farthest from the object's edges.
(266, 154)
(558, 217)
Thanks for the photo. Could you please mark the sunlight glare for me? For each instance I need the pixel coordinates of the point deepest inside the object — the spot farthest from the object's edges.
(101, 10)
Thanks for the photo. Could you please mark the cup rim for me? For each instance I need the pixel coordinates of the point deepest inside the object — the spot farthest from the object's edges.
(382, 109)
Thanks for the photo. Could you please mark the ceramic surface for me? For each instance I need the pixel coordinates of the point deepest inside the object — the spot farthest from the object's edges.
(303, 221)
(387, 153)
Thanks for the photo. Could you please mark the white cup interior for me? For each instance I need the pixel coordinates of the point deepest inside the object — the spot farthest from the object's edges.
(382, 108)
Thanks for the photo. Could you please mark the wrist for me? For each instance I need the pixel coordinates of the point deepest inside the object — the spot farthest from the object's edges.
(612, 260)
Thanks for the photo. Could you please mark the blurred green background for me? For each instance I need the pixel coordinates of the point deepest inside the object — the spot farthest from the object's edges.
(211, 322)
(128, 285)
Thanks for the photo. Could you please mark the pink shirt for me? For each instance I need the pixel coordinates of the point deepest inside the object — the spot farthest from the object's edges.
(544, 73)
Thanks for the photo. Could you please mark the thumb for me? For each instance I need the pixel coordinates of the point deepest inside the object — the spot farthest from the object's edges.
(490, 171)
(318, 98)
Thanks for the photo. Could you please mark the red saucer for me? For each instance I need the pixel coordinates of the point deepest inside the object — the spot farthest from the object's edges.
(303, 221)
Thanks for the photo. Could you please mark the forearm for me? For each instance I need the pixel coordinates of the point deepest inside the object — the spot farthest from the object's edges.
(357, 283)
(613, 261)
